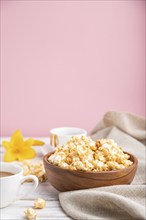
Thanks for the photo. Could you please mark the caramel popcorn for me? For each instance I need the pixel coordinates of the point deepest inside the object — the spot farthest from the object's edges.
(84, 154)
(39, 203)
(36, 169)
(30, 214)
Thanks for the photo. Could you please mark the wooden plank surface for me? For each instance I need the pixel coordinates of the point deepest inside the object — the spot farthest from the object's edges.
(53, 209)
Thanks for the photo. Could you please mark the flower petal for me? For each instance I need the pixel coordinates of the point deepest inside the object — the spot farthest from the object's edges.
(17, 138)
(38, 143)
(9, 156)
(26, 153)
(6, 144)
(28, 143)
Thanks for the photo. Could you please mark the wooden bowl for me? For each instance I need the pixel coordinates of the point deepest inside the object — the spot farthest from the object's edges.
(66, 180)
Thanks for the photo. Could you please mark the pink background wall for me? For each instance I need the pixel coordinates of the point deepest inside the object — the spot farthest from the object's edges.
(65, 63)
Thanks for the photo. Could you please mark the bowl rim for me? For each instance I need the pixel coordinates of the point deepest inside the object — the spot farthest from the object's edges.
(135, 162)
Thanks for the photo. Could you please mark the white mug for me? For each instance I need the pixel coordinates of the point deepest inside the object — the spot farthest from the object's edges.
(10, 185)
(60, 136)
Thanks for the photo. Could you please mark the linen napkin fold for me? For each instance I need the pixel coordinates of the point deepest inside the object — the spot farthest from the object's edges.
(114, 202)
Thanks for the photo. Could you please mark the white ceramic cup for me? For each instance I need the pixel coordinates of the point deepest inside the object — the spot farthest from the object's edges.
(10, 185)
(60, 136)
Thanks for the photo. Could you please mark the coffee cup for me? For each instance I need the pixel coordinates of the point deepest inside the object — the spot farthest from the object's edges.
(11, 178)
(60, 136)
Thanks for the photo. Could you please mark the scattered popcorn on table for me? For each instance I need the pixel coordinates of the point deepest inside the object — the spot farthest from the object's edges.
(36, 169)
(84, 154)
(30, 214)
(39, 203)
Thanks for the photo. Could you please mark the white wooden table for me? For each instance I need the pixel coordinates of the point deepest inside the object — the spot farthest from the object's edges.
(53, 209)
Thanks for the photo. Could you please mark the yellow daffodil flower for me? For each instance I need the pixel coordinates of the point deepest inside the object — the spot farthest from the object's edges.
(18, 148)
(38, 143)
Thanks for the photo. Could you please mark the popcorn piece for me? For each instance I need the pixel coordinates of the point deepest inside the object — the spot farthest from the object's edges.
(30, 214)
(79, 165)
(39, 203)
(36, 169)
(63, 165)
(82, 153)
(89, 165)
(68, 159)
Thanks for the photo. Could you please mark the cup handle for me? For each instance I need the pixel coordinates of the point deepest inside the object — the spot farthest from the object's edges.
(32, 188)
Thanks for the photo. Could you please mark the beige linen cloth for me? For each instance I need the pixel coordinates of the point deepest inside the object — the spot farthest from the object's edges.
(121, 201)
